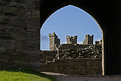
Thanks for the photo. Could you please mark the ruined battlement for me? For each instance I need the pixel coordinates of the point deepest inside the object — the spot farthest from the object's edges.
(88, 39)
(52, 35)
(54, 41)
(71, 42)
(98, 42)
(71, 39)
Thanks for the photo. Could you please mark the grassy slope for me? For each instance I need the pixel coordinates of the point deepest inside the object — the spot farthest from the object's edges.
(24, 76)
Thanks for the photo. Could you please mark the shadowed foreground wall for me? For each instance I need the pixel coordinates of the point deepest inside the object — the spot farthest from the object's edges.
(19, 34)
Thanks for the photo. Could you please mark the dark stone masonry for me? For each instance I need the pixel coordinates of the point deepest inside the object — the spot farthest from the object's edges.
(19, 34)
(74, 66)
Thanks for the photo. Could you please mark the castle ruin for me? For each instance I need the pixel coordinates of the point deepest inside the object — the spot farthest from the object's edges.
(88, 39)
(72, 58)
(54, 41)
(71, 40)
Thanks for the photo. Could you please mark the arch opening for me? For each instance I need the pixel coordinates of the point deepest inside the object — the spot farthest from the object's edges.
(68, 40)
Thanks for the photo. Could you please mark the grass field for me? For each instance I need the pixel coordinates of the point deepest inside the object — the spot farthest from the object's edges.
(24, 76)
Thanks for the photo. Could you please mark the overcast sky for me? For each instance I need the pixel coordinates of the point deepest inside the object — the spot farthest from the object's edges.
(69, 20)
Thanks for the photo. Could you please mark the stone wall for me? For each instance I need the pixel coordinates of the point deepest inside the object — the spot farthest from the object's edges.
(79, 59)
(19, 34)
(47, 56)
(74, 66)
(80, 51)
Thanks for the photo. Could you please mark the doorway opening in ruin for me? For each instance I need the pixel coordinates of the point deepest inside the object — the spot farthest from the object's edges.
(72, 34)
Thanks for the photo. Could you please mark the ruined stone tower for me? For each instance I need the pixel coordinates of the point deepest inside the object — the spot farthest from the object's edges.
(54, 41)
(71, 40)
(88, 39)
(98, 42)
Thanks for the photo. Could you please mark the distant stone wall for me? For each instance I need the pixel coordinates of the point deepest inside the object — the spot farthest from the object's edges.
(80, 51)
(74, 66)
(46, 56)
(74, 59)
(77, 46)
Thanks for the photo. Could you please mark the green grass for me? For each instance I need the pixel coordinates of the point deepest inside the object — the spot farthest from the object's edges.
(24, 76)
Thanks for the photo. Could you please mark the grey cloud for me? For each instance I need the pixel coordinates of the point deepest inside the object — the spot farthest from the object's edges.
(44, 38)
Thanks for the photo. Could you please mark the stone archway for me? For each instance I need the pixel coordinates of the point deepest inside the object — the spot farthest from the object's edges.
(20, 30)
(102, 12)
(76, 31)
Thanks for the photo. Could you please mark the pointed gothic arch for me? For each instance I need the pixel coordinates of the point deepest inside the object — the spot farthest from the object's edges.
(98, 25)
(107, 15)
